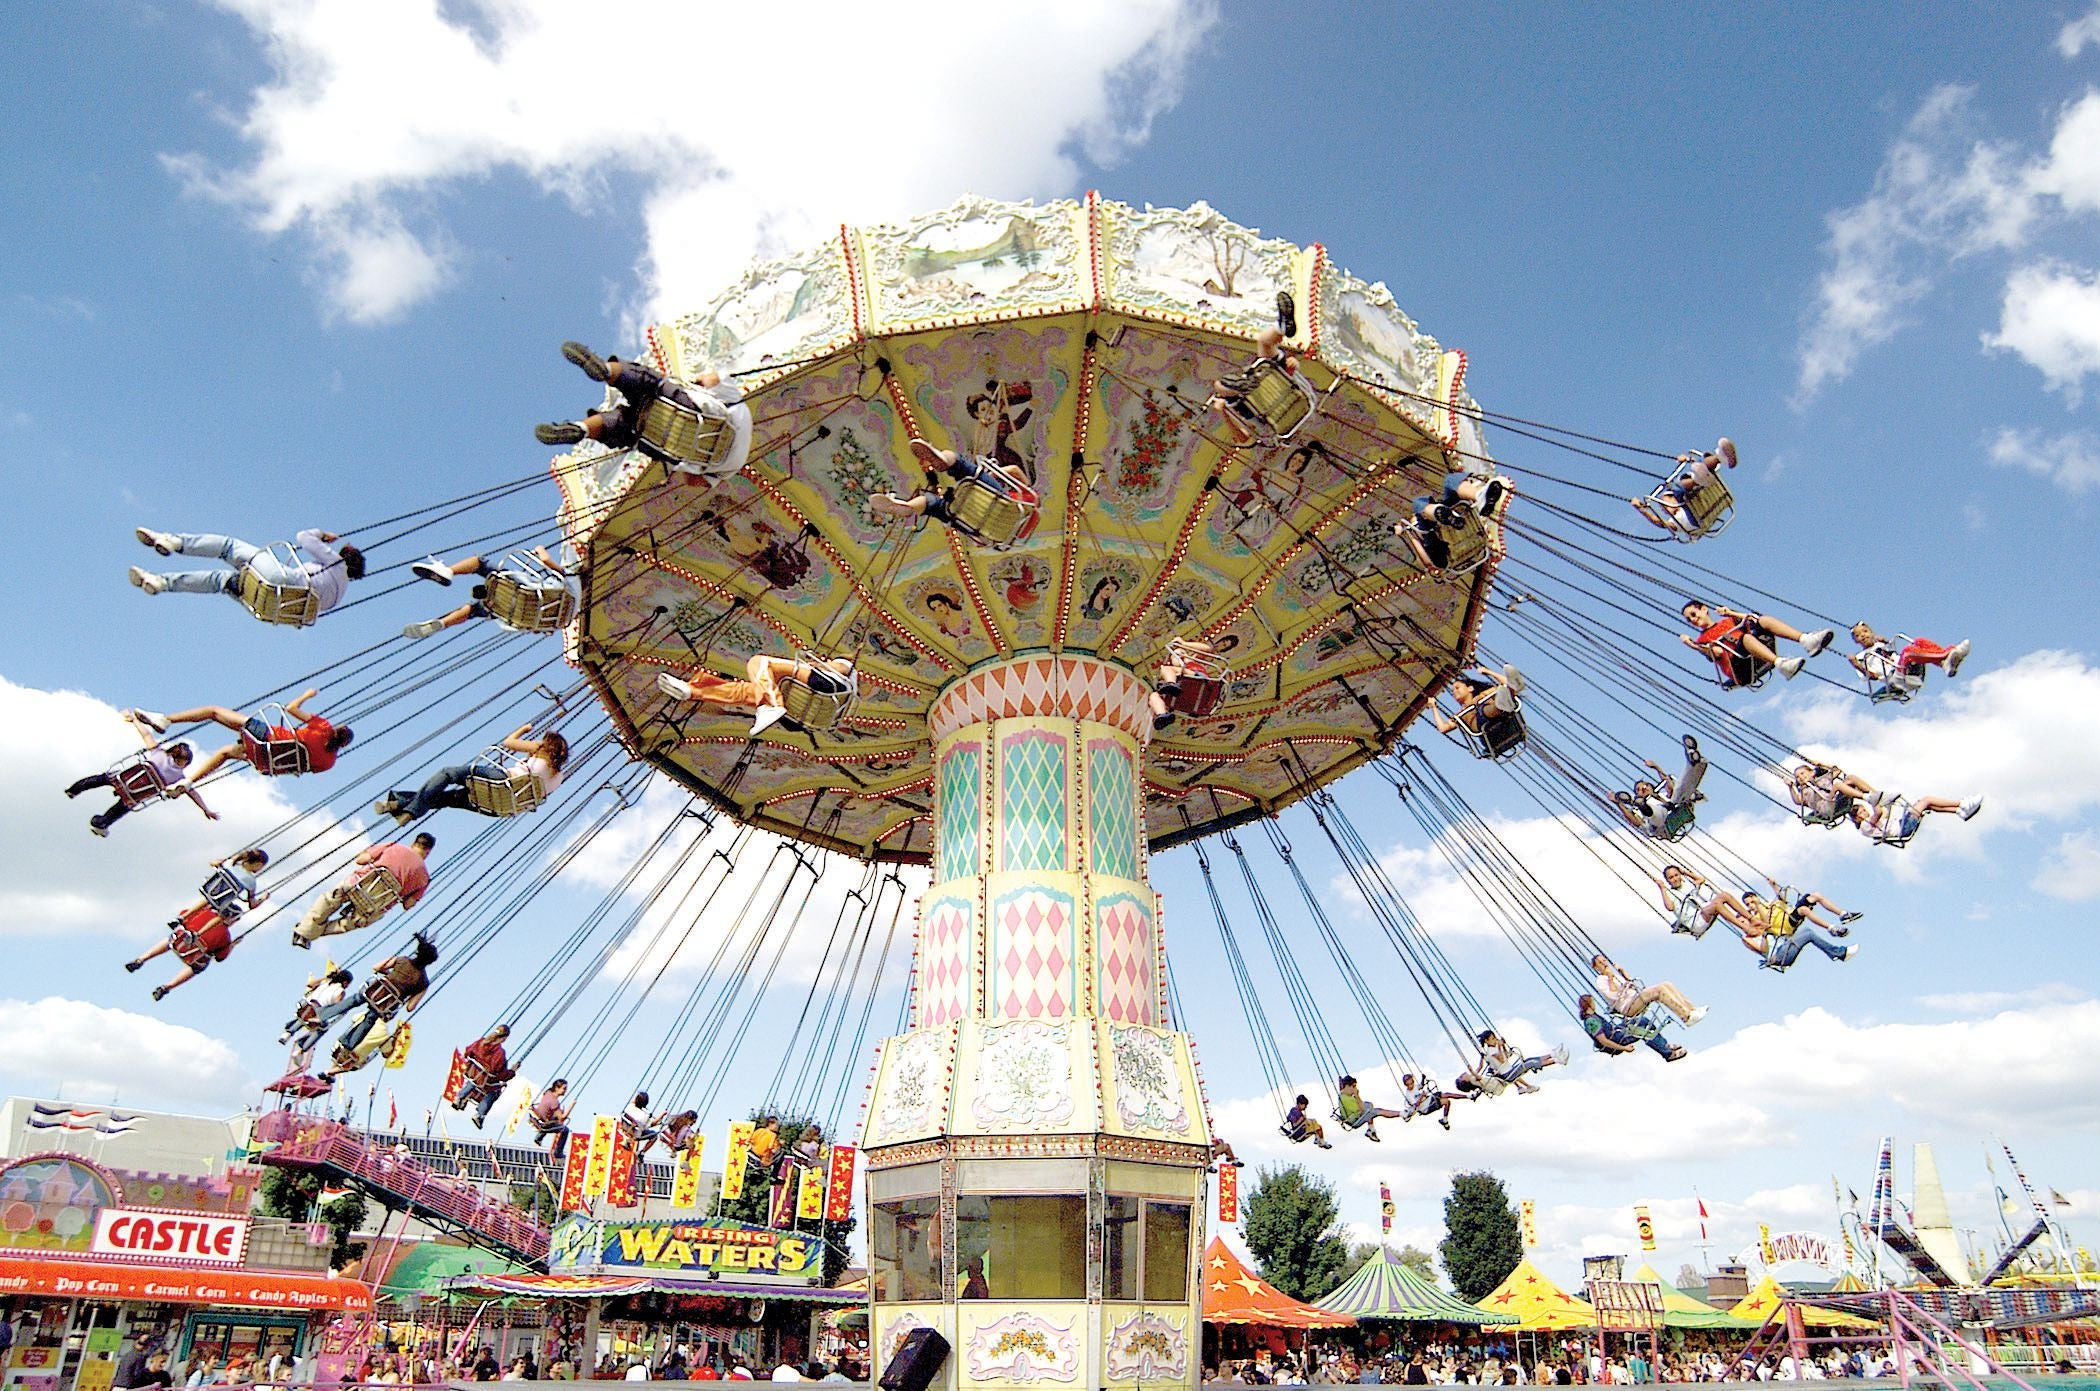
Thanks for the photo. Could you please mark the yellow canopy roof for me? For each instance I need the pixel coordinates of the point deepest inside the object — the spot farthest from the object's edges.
(1539, 1304)
(1765, 1297)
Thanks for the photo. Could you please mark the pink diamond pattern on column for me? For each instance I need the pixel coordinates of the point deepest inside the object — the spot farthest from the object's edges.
(1123, 941)
(1034, 958)
(944, 963)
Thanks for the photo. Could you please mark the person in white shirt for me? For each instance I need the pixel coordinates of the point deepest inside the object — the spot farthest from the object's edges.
(544, 759)
(326, 570)
(710, 396)
(786, 1372)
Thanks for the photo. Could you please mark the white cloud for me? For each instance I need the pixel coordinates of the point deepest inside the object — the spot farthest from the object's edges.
(2070, 172)
(2072, 870)
(2070, 461)
(751, 140)
(759, 908)
(2051, 319)
(2025, 736)
(2073, 38)
(1987, 1001)
(60, 879)
(1940, 191)
(56, 1042)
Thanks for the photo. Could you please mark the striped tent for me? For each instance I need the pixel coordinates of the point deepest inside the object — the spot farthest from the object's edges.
(1681, 1310)
(1382, 1288)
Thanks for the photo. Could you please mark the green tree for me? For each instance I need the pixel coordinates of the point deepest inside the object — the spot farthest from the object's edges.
(757, 1200)
(1418, 1260)
(344, 1215)
(1290, 1229)
(290, 1193)
(1481, 1244)
(537, 1201)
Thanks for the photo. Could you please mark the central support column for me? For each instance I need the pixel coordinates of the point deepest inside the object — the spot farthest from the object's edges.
(1036, 1144)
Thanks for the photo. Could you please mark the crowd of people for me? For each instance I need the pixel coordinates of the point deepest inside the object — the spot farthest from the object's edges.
(1573, 1362)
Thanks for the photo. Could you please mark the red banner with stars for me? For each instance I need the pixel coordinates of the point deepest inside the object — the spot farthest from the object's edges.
(573, 1174)
(1228, 1194)
(619, 1177)
(838, 1203)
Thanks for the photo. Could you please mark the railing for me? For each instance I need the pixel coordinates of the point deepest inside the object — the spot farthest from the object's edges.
(313, 1142)
(1923, 1348)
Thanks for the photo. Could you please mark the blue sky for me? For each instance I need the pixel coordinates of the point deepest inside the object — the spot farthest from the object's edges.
(1861, 242)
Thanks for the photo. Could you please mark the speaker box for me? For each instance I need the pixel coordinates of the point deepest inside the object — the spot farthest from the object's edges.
(918, 1361)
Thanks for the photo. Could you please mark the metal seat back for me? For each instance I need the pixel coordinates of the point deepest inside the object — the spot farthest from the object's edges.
(223, 894)
(291, 605)
(1276, 398)
(136, 783)
(995, 518)
(373, 891)
(529, 602)
(515, 794)
(681, 435)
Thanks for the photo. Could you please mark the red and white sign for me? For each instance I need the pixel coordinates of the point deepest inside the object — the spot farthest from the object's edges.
(175, 1238)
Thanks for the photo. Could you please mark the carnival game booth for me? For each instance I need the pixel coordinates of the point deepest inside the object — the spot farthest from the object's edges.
(729, 1289)
(92, 1258)
(1246, 1317)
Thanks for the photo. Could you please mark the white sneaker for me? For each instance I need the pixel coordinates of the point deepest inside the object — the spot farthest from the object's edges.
(767, 717)
(1698, 1013)
(1513, 679)
(1726, 449)
(427, 628)
(1956, 655)
(1560, 1055)
(1815, 642)
(152, 584)
(433, 569)
(673, 687)
(1849, 952)
(1971, 807)
(1879, 796)
(167, 543)
(152, 719)
(1790, 667)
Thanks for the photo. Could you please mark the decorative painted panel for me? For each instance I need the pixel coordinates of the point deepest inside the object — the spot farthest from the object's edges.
(1112, 823)
(1034, 954)
(1023, 1077)
(1146, 1345)
(946, 973)
(911, 1089)
(1126, 988)
(959, 809)
(1033, 794)
(1152, 1081)
(1024, 1347)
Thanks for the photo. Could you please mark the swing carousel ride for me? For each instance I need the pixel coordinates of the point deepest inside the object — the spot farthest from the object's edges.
(1080, 532)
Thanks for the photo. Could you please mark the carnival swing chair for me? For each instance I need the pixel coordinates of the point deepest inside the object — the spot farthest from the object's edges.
(682, 437)
(1487, 732)
(1675, 825)
(1201, 685)
(1465, 540)
(1830, 807)
(292, 605)
(1271, 400)
(371, 893)
(1736, 667)
(277, 753)
(513, 790)
(1699, 512)
(137, 783)
(994, 513)
(527, 595)
(190, 938)
(825, 698)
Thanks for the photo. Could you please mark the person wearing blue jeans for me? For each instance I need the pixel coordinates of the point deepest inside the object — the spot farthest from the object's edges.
(1000, 478)
(1609, 1035)
(326, 570)
(1781, 952)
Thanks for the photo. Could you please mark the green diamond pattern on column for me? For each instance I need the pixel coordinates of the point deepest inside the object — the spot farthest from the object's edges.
(1113, 801)
(955, 844)
(1032, 800)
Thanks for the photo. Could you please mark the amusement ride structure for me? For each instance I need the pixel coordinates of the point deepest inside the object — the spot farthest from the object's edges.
(1233, 527)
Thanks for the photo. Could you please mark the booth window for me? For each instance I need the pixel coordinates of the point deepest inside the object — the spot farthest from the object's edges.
(1031, 1247)
(1145, 1249)
(904, 1249)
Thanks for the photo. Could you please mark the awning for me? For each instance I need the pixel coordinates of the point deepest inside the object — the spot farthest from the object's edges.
(247, 1289)
(612, 1286)
(1232, 1294)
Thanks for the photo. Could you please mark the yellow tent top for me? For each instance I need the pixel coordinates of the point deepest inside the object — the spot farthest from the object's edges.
(1539, 1304)
(1762, 1300)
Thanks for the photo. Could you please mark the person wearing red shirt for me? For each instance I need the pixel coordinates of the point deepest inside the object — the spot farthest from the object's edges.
(1738, 642)
(321, 740)
(334, 913)
(487, 1054)
(201, 934)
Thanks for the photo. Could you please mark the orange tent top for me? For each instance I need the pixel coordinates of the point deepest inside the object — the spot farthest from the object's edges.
(1234, 1294)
